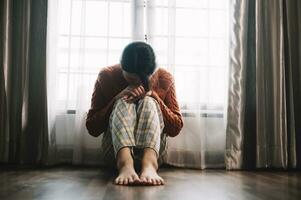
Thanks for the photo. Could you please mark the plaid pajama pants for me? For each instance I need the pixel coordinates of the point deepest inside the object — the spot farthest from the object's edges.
(136, 125)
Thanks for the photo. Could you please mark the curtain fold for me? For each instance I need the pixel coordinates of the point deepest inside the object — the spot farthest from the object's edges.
(292, 49)
(264, 85)
(237, 79)
(23, 137)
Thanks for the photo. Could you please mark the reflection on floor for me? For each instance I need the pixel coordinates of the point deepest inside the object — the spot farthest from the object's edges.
(70, 182)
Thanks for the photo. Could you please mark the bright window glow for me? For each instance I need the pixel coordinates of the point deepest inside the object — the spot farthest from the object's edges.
(189, 36)
(198, 30)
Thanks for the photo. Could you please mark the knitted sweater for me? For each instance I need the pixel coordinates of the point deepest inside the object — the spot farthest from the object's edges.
(110, 82)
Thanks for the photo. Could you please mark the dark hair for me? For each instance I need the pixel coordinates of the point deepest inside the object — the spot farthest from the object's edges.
(139, 58)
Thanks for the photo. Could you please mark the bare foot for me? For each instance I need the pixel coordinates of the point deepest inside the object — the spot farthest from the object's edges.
(127, 176)
(149, 176)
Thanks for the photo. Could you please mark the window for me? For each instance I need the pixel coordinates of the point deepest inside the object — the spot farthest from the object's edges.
(190, 39)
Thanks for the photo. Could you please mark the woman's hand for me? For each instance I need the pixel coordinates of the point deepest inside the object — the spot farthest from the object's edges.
(132, 93)
(124, 93)
(131, 98)
(135, 93)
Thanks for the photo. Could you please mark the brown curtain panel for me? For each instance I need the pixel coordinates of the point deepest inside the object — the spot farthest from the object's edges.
(23, 106)
(264, 122)
(292, 48)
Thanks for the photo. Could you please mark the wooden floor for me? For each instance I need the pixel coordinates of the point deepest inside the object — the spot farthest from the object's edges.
(74, 183)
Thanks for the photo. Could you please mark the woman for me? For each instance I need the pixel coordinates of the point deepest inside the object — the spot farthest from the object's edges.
(134, 104)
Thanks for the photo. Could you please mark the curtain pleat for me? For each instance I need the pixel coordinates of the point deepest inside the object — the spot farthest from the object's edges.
(292, 47)
(264, 99)
(271, 133)
(237, 80)
(23, 136)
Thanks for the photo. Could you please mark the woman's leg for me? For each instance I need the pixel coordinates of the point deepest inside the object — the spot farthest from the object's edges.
(148, 137)
(121, 125)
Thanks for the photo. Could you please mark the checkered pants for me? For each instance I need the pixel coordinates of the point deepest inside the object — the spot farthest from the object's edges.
(136, 125)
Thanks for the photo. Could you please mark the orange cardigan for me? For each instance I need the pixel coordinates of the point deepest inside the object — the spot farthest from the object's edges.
(110, 82)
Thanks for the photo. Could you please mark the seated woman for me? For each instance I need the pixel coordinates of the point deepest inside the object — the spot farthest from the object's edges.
(134, 104)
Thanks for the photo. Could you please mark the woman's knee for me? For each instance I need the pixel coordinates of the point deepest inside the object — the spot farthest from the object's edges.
(149, 101)
(121, 105)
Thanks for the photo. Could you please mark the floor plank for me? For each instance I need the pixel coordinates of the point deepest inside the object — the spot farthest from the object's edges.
(69, 182)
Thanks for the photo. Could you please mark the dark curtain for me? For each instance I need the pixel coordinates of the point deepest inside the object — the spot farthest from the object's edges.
(292, 38)
(23, 106)
(264, 123)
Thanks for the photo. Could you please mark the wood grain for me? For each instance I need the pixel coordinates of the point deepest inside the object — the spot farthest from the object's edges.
(70, 182)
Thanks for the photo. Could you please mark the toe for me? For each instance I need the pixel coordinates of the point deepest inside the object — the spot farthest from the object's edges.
(152, 181)
(130, 180)
(149, 180)
(135, 178)
(143, 180)
(125, 182)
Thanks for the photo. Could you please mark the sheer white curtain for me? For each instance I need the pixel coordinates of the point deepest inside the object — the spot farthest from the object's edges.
(190, 39)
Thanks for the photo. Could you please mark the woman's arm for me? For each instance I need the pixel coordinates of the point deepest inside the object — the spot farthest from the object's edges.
(173, 119)
(98, 115)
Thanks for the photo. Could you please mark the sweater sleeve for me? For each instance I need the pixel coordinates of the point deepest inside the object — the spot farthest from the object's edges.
(173, 119)
(98, 115)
